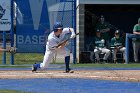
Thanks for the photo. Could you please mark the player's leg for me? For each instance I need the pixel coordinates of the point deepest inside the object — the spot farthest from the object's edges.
(114, 52)
(107, 53)
(46, 60)
(96, 52)
(123, 51)
(135, 49)
(67, 62)
(91, 55)
(66, 53)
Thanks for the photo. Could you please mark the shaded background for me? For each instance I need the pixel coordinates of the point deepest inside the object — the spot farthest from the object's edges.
(122, 17)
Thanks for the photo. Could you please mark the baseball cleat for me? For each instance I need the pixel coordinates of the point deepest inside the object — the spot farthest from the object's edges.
(69, 71)
(34, 68)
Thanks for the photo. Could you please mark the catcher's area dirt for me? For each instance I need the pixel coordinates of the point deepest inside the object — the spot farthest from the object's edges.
(116, 75)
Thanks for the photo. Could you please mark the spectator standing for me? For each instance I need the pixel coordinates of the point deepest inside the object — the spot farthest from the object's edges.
(136, 41)
(105, 29)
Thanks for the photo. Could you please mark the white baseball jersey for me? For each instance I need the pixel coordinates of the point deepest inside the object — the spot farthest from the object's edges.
(54, 40)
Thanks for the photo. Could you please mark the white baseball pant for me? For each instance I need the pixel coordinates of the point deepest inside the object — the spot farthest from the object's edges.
(102, 50)
(114, 51)
(50, 53)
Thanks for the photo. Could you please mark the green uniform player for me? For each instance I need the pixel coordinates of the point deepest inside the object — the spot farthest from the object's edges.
(99, 47)
(117, 44)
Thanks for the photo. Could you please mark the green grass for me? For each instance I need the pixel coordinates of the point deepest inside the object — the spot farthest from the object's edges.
(22, 60)
(12, 91)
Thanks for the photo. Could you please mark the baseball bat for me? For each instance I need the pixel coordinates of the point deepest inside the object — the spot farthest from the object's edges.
(61, 43)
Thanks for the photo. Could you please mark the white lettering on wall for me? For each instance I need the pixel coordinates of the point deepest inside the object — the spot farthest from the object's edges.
(30, 39)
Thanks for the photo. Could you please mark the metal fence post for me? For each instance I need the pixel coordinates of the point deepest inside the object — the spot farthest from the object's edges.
(4, 46)
(12, 34)
(74, 57)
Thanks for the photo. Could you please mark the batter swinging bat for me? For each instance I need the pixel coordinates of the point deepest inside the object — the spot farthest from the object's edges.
(61, 43)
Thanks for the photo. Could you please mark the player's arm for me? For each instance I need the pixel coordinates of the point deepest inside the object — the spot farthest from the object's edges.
(65, 31)
(120, 46)
(105, 30)
(11, 50)
(62, 45)
(4, 50)
(135, 30)
(123, 42)
(72, 33)
(137, 33)
(113, 46)
(1, 49)
(52, 44)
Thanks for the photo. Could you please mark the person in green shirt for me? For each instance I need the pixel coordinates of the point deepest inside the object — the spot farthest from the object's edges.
(136, 41)
(105, 29)
(99, 47)
(117, 44)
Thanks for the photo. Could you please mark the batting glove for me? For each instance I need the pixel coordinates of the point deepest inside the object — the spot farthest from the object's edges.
(72, 35)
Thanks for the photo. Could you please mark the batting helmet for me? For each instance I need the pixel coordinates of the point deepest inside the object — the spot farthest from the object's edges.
(57, 25)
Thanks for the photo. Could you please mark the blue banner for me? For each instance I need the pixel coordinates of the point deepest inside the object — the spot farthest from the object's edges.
(32, 26)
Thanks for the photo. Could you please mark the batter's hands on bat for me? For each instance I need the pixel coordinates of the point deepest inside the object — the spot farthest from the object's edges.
(63, 43)
(119, 47)
(72, 35)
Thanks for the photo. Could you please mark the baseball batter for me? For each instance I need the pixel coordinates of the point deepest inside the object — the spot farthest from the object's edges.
(54, 38)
